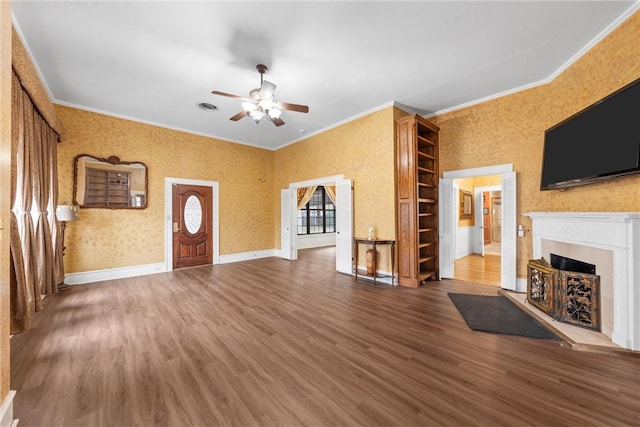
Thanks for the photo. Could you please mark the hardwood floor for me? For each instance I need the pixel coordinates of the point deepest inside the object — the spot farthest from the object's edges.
(478, 269)
(279, 343)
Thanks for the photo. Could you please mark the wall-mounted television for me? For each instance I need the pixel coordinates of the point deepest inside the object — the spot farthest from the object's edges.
(598, 143)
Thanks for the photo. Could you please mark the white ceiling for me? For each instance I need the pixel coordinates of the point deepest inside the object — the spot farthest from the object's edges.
(154, 61)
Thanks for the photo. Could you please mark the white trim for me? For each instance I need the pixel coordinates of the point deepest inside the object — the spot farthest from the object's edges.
(144, 270)
(246, 256)
(481, 171)
(521, 285)
(168, 211)
(308, 241)
(597, 39)
(386, 279)
(6, 410)
(160, 125)
(333, 179)
(31, 57)
(113, 273)
(444, 239)
(319, 181)
(586, 48)
(488, 98)
(340, 123)
(618, 232)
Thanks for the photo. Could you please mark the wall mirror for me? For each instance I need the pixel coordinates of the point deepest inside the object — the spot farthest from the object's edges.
(466, 204)
(109, 183)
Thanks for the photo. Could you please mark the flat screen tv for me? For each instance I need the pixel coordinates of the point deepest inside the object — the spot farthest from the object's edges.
(598, 143)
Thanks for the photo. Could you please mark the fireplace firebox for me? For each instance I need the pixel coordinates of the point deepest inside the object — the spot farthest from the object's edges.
(568, 296)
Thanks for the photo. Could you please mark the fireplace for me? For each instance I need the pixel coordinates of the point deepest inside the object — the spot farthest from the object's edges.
(566, 289)
(611, 242)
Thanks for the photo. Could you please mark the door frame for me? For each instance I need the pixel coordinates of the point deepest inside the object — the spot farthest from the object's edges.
(168, 215)
(478, 234)
(293, 219)
(508, 259)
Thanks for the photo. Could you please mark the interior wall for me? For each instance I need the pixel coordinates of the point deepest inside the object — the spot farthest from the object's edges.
(361, 150)
(511, 129)
(610, 65)
(105, 238)
(5, 190)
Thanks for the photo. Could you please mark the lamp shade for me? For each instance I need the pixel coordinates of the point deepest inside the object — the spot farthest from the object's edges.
(67, 213)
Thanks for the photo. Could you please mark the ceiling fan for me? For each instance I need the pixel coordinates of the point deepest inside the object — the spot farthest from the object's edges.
(260, 103)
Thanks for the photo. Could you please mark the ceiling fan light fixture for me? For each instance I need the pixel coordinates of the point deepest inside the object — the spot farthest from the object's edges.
(249, 106)
(254, 94)
(256, 115)
(260, 102)
(274, 113)
(265, 104)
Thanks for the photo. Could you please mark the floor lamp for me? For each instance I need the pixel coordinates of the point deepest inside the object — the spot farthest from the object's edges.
(65, 214)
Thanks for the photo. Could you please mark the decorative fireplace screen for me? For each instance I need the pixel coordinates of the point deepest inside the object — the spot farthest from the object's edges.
(566, 296)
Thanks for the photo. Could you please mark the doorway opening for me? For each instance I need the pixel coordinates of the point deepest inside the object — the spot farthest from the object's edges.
(479, 235)
(290, 242)
(479, 246)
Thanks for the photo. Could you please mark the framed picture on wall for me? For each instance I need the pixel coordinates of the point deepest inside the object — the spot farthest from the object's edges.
(466, 204)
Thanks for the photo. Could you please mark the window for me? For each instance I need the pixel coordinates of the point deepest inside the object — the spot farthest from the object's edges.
(318, 215)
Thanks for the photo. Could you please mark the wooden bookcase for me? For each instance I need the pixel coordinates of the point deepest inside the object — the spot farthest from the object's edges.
(106, 187)
(417, 200)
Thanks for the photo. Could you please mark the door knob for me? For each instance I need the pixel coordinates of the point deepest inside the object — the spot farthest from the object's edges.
(175, 227)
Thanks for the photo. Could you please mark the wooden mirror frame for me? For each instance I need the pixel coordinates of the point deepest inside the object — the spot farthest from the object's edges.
(120, 198)
(466, 204)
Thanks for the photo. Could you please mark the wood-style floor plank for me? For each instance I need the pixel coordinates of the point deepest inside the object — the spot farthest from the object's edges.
(278, 343)
(480, 269)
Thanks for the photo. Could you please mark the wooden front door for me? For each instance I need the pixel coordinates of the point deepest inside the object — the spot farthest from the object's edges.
(192, 225)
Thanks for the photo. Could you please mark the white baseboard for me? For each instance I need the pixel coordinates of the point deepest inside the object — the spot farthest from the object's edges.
(386, 279)
(6, 411)
(521, 285)
(246, 256)
(142, 270)
(113, 273)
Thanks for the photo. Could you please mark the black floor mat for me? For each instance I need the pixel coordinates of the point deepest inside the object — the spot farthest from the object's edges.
(499, 315)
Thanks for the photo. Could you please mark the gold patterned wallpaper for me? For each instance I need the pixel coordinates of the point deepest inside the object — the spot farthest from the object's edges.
(5, 189)
(511, 129)
(505, 130)
(105, 238)
(362, 150)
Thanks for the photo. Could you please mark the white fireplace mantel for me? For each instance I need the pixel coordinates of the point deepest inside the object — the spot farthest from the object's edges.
(618, 232)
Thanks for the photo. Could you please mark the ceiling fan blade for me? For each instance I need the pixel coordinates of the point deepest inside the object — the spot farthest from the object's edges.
(278, 121)
(294, 107)
(240, 115)
(267, 89)
(216, 92)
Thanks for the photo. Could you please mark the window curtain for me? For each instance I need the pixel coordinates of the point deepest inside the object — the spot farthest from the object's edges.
(305, 194)
(331, 192)
(35, 247)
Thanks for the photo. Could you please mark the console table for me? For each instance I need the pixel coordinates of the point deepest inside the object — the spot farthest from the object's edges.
(374, 242)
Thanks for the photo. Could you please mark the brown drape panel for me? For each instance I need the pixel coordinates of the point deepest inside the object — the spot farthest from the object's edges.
(34, 195)
(43, 244)
(19, 293)
(305, 194)
(331, 192)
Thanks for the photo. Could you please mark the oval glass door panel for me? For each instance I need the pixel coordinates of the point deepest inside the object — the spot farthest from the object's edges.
(192, 214)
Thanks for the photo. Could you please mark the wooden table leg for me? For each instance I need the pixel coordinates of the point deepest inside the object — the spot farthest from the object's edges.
(355, 248)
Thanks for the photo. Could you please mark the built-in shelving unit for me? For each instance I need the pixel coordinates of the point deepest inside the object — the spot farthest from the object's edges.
(417, 200)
